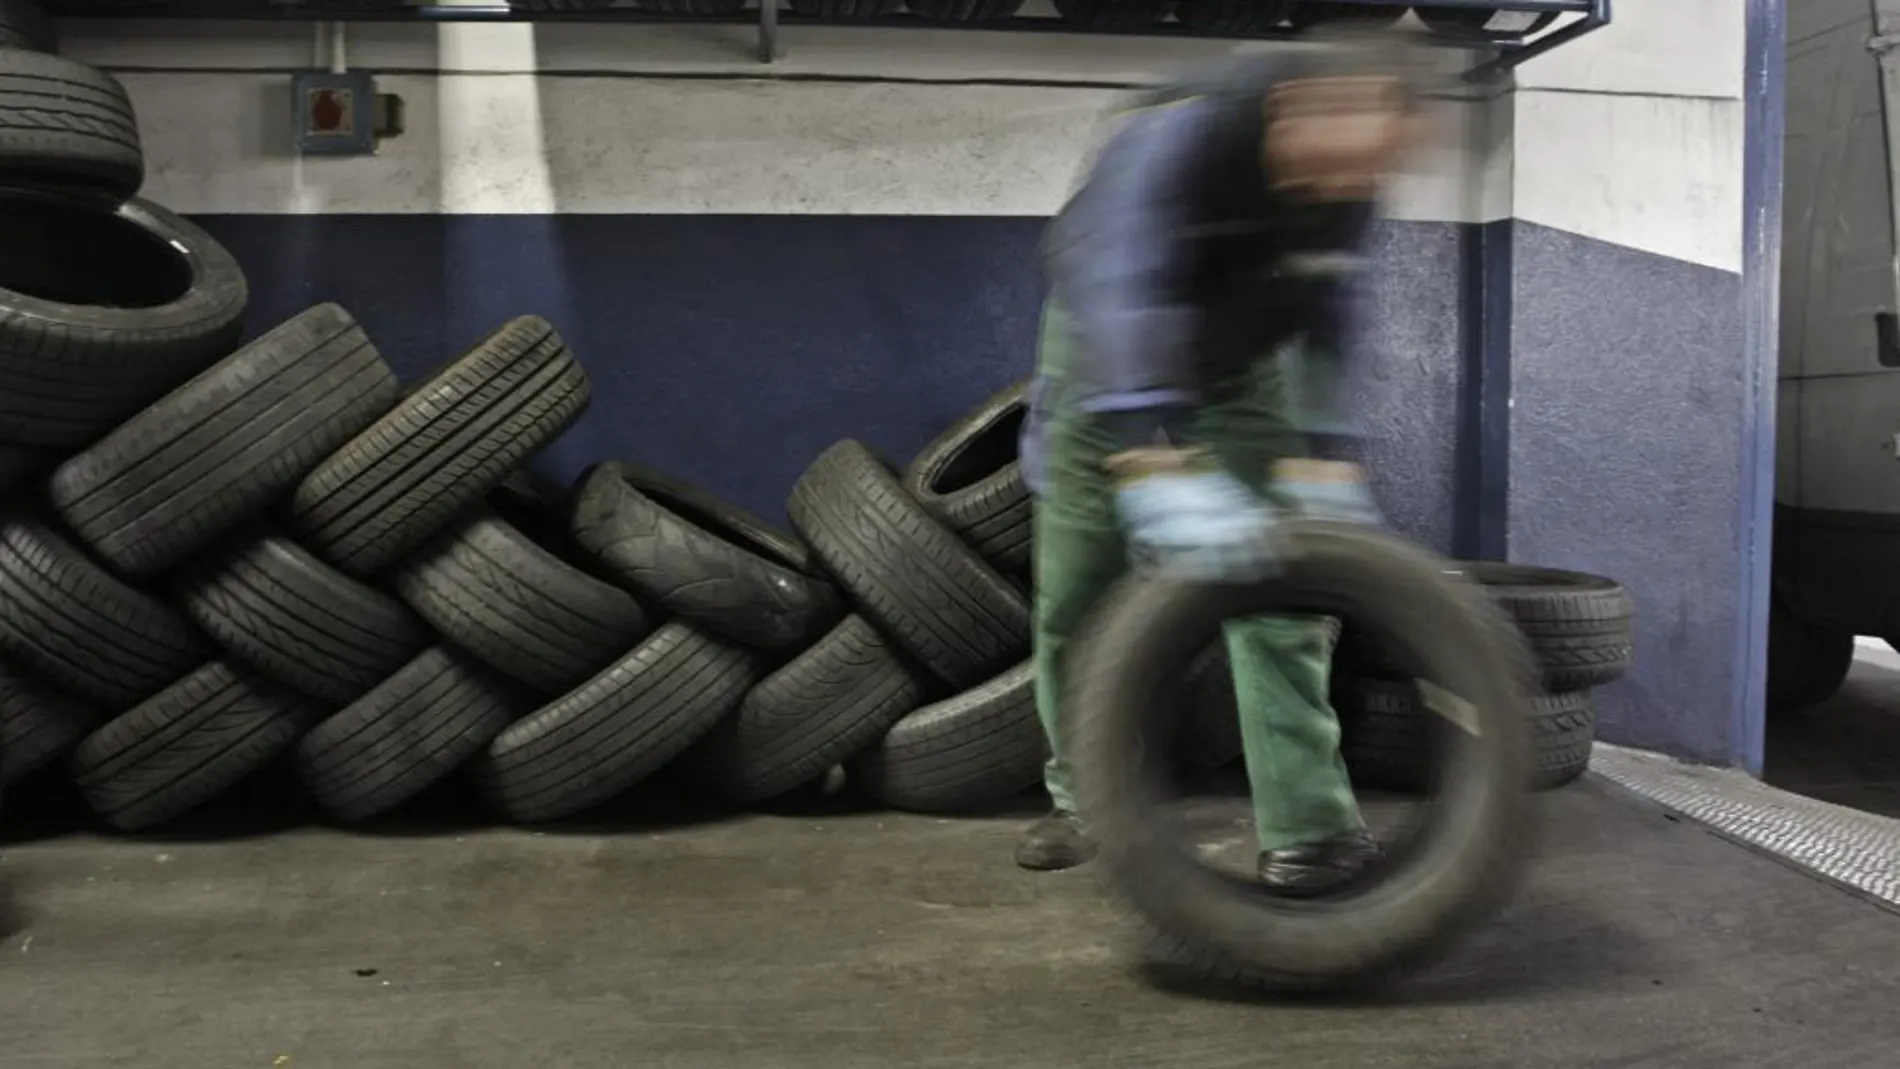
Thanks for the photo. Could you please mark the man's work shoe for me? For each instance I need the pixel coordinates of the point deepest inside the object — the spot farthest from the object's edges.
(1057, 841)
(1312, 869)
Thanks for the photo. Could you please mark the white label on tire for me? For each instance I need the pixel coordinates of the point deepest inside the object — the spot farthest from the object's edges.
(1510, 21)
(1450, 706)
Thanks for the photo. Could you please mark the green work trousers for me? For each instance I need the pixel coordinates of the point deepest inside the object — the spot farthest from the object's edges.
(1301, 792)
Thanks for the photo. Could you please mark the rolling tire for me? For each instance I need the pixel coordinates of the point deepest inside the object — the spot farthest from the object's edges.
(616, 729)
(1219, 926)
(1482, 23)
(1387, 746)
(76, 624)
(105, 306)
(185, 745)
(968, 752)
(39, 723)
(693, 573)
(66, 125)
(1232, 16)
(26, 24)
(521, 610)
(412, 730)
(278, 610)
(824, 706)
(443, 448)
(957, 11)
(909, 576)
(1113, 14)
(222, 448)
(971, 479)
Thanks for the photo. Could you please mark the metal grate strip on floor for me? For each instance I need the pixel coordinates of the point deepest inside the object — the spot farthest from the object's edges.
(1859, 850)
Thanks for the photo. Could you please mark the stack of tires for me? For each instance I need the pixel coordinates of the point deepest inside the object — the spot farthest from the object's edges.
(201, 544)
(1578, 627)
(215, 557)
(282, 556)
(215, 580)
(875, 639)
(106, 302)
(1579, 630)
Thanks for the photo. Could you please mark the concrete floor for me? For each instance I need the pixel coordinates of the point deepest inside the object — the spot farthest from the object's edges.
(845, 940)
(1846, 750)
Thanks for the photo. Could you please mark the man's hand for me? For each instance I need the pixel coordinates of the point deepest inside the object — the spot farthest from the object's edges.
(1188, 516)
(1327, 490)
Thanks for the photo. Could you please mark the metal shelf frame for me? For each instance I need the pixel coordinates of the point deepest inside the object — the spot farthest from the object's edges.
(1501, 56)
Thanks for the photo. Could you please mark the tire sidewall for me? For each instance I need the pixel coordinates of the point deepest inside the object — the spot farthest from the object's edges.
(1467, 860)
(216, 291)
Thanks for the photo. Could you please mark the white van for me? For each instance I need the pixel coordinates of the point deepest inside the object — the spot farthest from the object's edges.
(1837, 467)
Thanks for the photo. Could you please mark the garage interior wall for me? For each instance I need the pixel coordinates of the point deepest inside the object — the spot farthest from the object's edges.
(749, 269)
(1632, 426)
(752, 268)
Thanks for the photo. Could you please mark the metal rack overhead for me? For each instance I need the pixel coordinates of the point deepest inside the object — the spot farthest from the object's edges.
(1501, 52)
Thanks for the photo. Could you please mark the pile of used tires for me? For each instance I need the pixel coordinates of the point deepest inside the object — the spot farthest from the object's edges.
(218, 559)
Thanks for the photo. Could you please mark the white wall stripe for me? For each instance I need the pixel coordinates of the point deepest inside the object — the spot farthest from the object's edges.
(512, 145)
(1660, 174)
(490, 134)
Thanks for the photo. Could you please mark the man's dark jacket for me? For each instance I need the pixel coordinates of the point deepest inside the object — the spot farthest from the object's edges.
(1176, 261)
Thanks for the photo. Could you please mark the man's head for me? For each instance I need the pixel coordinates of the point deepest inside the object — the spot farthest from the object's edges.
(1342, 122)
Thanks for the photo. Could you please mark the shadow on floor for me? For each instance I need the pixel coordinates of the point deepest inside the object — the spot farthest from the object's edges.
(1847, 750)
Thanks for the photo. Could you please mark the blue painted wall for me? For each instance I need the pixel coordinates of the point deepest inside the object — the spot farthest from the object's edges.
(1625, 424)
(732, 349)
(728, 349)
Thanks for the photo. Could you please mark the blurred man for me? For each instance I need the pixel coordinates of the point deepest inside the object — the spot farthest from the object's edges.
(1219, 224)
